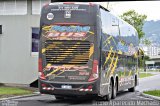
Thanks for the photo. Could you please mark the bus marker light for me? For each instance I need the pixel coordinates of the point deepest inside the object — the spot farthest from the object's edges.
(85, 89)
(49, 88)
(43, 85)
(44, 88)
(89, 87)
(91, 4)
(68, 3)
(81, 90)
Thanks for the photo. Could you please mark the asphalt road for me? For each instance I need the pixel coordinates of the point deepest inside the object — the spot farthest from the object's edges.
(128, 97)
(49, 100)
(149, 83)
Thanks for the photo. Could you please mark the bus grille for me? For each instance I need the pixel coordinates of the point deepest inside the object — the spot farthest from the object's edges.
(67, 52)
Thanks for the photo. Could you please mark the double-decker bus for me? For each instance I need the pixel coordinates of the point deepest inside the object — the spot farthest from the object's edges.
(85, 50)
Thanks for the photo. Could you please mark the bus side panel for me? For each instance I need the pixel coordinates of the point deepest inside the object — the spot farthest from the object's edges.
(109, 56)
(127, 77)
(118, 51)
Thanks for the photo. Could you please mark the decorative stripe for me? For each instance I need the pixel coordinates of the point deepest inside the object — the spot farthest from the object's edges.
(111, 64)
(43, 50)
(107, 58)
(91, 32)
(91, 50)
(53, 72)
(130, 73)
(115, 65)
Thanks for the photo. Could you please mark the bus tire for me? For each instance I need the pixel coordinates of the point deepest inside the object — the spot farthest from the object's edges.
(114, 91)
(133, 88)
(59, 97)
(109, 96)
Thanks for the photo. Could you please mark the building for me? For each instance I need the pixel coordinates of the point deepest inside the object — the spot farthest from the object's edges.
(153, 51)
(19, 20)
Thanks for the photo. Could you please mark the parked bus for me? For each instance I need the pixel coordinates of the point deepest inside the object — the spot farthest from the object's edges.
(85, 50)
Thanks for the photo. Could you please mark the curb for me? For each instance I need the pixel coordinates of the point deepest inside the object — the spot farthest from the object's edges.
(150, 96)
(23, 96)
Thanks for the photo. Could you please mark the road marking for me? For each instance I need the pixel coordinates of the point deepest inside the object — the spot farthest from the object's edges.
(144, 98)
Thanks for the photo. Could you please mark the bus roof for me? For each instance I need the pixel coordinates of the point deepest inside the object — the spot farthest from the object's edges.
(83, 3)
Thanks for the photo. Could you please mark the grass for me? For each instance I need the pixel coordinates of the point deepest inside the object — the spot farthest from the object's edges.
(153, 70)
(13, 91)
(153, 92)
(149, 70)
(143, 75)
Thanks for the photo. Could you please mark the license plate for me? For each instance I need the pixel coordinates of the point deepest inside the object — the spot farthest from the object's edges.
(66, 86)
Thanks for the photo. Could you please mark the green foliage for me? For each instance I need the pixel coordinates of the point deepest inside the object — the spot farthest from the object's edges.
(146, 42)
(142, 75)
(136, 20)
(153, 92)
(13, 91)
(141, 61)
(146, 58)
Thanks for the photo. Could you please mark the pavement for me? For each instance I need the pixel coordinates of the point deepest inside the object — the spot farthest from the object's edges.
(49, 100)
(124, 97)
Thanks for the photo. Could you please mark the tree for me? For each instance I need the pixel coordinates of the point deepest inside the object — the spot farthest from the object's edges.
(136, 20)
(146, 42)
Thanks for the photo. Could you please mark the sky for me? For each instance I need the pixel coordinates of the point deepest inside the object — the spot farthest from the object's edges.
(149, 8)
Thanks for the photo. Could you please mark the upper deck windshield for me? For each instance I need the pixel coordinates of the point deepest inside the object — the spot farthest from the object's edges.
(68, 13)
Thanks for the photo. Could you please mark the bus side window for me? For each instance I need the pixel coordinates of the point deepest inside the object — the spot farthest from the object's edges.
(115, 27)
(108, 63)
(120, 61)
(129, 62)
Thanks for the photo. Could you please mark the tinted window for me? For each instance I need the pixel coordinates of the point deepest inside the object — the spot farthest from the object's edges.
(128, 33)
(109, 23)
(110, 30)
(83, 14)
(106, 21)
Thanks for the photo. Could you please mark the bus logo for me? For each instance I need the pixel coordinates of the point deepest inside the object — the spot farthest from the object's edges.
(63, 32)
(50, 16)
(67, 14)
(66, 34)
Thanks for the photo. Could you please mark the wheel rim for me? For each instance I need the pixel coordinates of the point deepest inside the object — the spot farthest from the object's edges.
(110, 90)
(115, 89)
